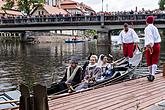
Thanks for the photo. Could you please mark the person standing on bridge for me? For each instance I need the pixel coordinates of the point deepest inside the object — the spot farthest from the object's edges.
(152, 44)
(127, 38)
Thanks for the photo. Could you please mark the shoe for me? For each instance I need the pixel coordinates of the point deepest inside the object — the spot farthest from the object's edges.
(151, 78)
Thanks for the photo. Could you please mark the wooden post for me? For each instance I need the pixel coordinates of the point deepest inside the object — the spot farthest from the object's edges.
(40, 98)
(25, 98)
(163, 69)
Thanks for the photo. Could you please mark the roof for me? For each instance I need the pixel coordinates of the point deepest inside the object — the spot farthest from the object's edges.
(67, 2)
(7, 11)
(50, 9)
(54, 10)
(12, 12)
(85, 7)
(70, 7)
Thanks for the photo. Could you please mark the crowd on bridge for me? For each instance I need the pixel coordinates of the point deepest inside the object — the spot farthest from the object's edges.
(119, 15)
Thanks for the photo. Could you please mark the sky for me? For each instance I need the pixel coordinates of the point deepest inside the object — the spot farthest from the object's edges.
(121, 5)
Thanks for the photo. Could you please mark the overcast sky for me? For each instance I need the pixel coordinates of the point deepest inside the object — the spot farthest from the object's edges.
(119, 5)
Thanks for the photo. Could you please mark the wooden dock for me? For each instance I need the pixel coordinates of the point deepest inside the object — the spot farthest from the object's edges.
(136, 94)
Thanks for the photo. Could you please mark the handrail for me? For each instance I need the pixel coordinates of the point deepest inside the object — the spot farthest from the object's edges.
(75, 19)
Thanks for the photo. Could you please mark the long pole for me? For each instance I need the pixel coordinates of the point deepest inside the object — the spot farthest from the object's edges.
(102, 5)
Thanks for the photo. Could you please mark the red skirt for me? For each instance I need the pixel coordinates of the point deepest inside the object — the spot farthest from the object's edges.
(154, 57)
(128, 49)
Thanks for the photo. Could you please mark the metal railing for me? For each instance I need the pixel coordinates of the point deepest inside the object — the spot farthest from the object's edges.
(75, 19)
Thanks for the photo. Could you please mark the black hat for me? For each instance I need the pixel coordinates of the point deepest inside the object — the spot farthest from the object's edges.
(74, 60)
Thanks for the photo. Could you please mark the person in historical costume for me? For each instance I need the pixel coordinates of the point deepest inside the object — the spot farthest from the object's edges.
(92, 73)
(152, 44)
(128, 38)
(73, 75)
(104, 62)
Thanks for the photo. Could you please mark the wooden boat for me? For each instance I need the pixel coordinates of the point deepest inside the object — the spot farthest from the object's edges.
(9, 99)
(121, 72)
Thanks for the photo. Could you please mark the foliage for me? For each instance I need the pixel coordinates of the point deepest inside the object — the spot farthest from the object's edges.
(91, 32)
(9, 4)
(161, 4)
(24, 5)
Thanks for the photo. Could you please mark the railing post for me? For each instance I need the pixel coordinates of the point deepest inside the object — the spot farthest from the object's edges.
(163, 69)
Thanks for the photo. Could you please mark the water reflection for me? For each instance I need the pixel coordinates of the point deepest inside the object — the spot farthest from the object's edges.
(40, 63)
(44, 63)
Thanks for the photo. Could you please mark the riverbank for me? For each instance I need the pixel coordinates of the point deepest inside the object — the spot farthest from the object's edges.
(53, 39)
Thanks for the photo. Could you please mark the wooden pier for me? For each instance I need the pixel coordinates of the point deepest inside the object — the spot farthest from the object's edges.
(138, 94)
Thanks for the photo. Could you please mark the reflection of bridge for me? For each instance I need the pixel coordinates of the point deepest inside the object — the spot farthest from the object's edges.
(100, 22)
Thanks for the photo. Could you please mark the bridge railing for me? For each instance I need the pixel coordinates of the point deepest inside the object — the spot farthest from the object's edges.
(73, 19)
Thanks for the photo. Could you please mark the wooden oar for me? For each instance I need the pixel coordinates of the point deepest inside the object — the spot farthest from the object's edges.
(7, 102)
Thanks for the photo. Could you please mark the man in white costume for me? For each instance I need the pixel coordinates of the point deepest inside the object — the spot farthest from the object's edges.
(152, 44)
(127, 38)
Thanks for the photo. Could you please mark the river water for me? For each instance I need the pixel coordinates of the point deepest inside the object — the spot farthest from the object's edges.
(44, 63)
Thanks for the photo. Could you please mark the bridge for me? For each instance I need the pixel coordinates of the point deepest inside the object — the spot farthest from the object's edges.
(103, 24)
(98, 22)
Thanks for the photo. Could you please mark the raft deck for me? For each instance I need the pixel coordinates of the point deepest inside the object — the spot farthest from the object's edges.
(138, 94)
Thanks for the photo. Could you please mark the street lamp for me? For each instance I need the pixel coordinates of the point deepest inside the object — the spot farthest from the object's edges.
(102, 5)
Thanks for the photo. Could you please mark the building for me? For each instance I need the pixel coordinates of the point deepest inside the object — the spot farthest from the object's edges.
(8, 12)
(86, 9)
(47, 10)
(55, 3)
(71, 7)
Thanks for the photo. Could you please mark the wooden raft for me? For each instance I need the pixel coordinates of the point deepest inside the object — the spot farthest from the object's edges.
(136, 94)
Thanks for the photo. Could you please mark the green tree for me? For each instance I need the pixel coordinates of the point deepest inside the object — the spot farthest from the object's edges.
(161, 4)
(91, 32)
(24, 5)
(9, 4)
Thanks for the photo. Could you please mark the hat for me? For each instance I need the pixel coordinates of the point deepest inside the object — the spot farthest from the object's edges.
(74, 60)
(150, 19)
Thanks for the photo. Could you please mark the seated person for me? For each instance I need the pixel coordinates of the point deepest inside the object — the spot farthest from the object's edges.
(107, 66)
(112, 69)
(92, 73)
(73, 75)
(103, 63)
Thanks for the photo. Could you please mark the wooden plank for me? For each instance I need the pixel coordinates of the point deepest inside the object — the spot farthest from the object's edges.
(136, 101)
(79, 103)
(116, 87)
(118, 100)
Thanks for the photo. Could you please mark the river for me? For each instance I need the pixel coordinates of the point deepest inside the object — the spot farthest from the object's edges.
(44, 63)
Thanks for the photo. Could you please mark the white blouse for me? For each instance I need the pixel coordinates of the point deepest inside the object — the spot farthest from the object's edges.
(128, 37)
(151, 35)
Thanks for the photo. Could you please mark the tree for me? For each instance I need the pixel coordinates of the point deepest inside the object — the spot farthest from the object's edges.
(161, 4)
(9, 4)
(24, 5)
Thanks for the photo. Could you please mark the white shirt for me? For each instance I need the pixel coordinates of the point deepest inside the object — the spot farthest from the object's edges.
(128, 37)
(151, 35)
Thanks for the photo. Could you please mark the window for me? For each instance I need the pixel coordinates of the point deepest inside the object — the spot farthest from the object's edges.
(39, 13)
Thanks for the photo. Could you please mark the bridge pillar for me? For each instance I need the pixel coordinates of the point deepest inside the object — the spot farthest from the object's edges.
(23, 37)
(104, 40)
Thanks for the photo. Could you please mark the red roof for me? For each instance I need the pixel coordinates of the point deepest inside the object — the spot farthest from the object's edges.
(68, 2)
